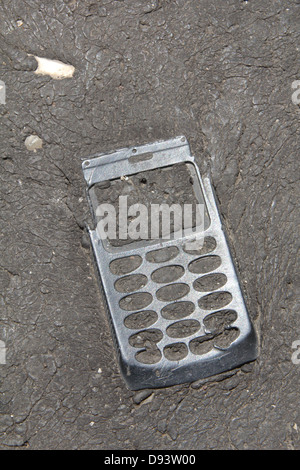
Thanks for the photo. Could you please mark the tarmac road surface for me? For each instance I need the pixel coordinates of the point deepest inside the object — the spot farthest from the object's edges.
(225, 74)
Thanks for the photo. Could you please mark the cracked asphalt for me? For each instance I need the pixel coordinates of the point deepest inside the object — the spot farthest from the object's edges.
(220, 73)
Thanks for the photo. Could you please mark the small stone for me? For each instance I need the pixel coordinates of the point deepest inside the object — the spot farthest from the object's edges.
(33, 143)
(246, 368)
(85, 241)
(54, 68)
(142, 395)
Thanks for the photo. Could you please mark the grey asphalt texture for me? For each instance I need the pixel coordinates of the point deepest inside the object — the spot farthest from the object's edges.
(220, 73)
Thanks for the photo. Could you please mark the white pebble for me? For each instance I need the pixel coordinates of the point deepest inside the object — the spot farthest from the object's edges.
(33, 142)
(55, 68)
